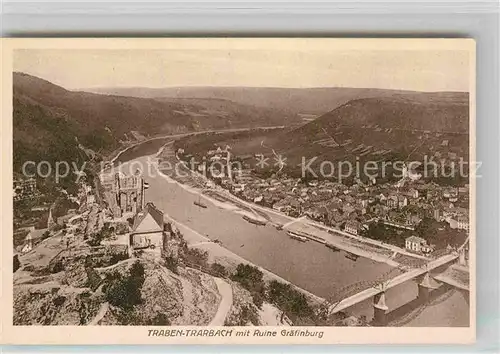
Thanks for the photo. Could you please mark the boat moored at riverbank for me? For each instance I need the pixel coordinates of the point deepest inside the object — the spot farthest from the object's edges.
(297, 236)
(332, 247)
(254, 221)
(351, 256)
(200, 204)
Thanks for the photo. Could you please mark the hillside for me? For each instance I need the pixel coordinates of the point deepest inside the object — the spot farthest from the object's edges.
(189, 297)
(89, 278)
(51, 122)
(293, 100)
(400, 127)
(219, 112)
(439, 112)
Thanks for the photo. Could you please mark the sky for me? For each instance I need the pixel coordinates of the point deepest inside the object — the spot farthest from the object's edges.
(420, 70)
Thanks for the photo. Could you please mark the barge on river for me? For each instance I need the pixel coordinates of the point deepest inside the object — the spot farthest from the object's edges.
(351, 256)
(297, 236)
(254, 221)
(332, 247)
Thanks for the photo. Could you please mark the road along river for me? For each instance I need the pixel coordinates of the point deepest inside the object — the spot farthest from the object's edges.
(309, 265)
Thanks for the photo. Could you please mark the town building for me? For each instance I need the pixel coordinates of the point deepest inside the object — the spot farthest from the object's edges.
(352, 227)
(397, 201)
(417, 244)
(412, 193)
(412, 220)
(458, 221)
(90, 199)
(437, 214)
(463, 223)
(33, 237)
(148, 231)
(24, 189)
(107, 179)
(50, 220)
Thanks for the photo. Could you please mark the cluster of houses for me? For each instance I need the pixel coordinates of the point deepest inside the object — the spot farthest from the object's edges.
(24, 188)
(338, 205)
(38, 222)
(147, 233)
(402, 205)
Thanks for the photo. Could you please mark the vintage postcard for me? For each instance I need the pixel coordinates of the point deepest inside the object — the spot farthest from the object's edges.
(238, 190)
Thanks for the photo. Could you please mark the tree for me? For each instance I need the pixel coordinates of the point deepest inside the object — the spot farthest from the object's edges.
(258, 299)
(125, 291)
(289, 300)
(218, 269)
(45, 235)
(172, 264)
(194, 255)
(160, 319)
(425, 228)
(137, 272)
(245, 316)
(17, 263)
(250, 277)
(103, 234)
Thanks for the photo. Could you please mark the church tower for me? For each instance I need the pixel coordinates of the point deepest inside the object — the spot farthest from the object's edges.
(50, 220)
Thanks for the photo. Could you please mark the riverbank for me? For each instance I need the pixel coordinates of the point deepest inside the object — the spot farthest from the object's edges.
(308, 265)
(115, 155)
(314, 231)
(217, 253)
(264, 246)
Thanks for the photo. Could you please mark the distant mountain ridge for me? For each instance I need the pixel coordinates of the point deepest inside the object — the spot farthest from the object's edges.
(293, 100)
(399, 127)
(436, 112)
(50, 122)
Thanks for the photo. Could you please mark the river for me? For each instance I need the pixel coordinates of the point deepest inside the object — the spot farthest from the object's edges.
(309, 265)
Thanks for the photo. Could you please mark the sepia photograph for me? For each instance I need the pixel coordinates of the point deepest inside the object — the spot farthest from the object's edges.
(233, 190)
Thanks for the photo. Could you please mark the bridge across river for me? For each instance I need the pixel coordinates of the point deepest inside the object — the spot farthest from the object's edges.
(427, 285)
(382, 287)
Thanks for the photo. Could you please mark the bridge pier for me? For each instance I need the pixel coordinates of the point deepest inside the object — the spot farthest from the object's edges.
(426, 286)
(380, 309)
(462, 259)
(466, 295)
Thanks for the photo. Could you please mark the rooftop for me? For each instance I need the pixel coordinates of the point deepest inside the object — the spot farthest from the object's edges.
(152, 210)
(416, 239)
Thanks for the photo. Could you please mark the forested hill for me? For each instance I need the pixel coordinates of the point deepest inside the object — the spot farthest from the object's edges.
(52, 123)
